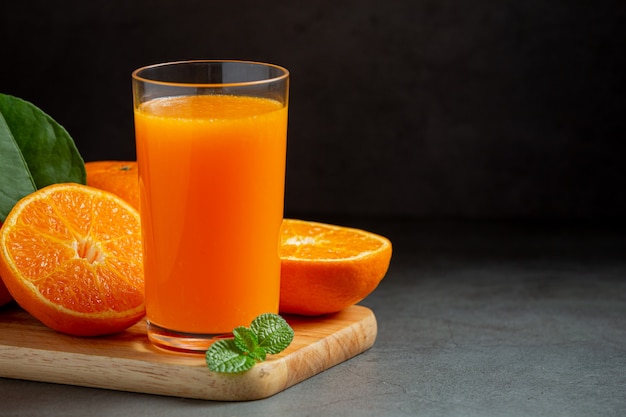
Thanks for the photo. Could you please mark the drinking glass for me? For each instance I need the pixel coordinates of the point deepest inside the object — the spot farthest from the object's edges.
(211, 147)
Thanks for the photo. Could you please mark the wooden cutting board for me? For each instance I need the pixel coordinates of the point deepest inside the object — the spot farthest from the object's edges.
(129, 362)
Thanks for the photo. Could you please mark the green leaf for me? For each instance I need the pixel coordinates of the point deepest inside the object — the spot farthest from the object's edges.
(268, 333)
(224, 356)
(247, 342)
(15, 179)
(35, 151)
(273, 332)
(245, 339)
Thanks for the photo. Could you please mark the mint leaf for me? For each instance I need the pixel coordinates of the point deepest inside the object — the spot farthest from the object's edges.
(35, 151)
(224, 356)
(273, 332)
(268, 333)
(247, 342)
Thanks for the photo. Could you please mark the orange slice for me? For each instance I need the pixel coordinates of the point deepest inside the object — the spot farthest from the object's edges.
(327, 268)
(71, 256)
(117, 177)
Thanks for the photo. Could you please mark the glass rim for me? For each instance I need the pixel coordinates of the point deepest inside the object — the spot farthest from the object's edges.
(137, 77)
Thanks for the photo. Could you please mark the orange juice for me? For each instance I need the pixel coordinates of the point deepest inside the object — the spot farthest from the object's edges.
(211, 173)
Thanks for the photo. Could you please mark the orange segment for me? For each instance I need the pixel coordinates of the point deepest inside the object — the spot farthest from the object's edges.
(327, 268)
(71, 256)
(118, 177)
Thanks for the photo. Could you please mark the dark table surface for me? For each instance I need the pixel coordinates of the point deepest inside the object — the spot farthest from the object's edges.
(475, 319)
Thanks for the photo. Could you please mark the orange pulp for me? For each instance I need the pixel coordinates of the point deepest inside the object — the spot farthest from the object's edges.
(211, 176)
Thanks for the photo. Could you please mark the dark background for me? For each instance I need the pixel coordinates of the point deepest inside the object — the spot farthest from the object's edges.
(404, 109)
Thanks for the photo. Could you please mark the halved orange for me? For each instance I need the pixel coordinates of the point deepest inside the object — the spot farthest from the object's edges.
(118, 177)
(327, 268)
(71, 256)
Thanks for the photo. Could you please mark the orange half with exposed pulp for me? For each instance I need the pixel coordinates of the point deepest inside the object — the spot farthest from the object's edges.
(327, 268)
(71, 255)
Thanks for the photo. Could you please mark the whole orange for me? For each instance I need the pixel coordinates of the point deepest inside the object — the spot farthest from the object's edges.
(327, 268)
(118, 177)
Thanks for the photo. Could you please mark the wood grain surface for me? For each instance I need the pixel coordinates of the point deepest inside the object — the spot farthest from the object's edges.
(127, 361)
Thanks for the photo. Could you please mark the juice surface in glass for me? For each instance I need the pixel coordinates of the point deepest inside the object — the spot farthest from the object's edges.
(211, 227)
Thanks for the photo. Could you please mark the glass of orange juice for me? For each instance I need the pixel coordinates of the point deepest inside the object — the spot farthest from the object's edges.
(211, 147)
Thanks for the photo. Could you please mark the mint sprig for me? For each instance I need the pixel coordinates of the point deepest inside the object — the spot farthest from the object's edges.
(268, 334)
